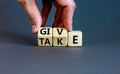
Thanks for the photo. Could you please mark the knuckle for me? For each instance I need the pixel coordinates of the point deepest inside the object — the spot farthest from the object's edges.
(72, 5)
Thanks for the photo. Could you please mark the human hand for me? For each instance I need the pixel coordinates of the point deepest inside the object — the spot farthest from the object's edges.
(63, 16)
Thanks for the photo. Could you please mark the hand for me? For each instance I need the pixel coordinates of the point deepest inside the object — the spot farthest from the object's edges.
(63, 16)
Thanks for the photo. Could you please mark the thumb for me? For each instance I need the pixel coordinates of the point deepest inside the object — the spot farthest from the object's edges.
(33, 13)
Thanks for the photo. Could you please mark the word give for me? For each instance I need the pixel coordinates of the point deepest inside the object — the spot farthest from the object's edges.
(48, 36)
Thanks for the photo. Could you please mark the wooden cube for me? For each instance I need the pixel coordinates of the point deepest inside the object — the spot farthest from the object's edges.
(75, 38)
(59, 37)
(45, 36)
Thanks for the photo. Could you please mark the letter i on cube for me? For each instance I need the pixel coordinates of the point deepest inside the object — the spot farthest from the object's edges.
(45, 36)
(48, 36)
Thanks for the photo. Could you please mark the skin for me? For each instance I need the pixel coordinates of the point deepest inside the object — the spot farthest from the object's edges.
(63, 16)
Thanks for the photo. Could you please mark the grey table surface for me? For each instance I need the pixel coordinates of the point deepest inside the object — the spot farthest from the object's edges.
(99, 20)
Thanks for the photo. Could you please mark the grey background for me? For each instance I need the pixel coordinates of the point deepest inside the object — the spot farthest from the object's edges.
(99, 20)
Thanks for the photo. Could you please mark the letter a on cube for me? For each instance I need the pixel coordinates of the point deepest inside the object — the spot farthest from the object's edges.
(45, 36)
(59, 37)
(75, 38)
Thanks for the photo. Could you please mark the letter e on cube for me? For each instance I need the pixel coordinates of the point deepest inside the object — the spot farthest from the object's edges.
(75, 38)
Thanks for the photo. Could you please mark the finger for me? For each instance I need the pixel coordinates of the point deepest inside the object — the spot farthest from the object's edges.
(68, 11)
(58, 15)
(67, 16)
(33, 13)
(61, 25)
(47, 4)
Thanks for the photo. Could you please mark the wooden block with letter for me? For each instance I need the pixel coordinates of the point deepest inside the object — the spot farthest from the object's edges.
(45, 36)
(75, 38)
(59, 37)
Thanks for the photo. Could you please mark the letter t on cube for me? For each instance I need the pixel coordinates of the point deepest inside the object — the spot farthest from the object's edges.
(45, 36)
